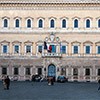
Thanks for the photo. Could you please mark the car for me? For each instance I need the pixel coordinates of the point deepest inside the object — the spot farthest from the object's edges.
(36, 78)
(62, 79)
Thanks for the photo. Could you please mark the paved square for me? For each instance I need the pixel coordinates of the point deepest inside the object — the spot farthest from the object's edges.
(59, 91)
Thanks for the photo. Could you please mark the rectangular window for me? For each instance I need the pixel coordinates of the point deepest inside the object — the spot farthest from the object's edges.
(40, 49)
(63, 49)
(87, 50)
(4, 48)
(27, 71)
(16, 49)
(28, 49)
(87, 71)
(98, 72)
(15, 71)
(53, 49)
(75, 50)
(4, 71)
(75, 71)
(39, 71)
(98, 49)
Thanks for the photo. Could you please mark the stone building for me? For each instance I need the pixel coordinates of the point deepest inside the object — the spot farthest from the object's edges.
(70, 27)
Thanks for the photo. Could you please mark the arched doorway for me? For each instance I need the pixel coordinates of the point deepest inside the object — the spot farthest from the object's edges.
(52, 71)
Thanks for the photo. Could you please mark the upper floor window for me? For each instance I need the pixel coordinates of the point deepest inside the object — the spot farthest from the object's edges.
(16, 49)
(5, 23)
(17, 23)
(63, 49)
(75, 49)
(99, 23)
(87, 50)
(75, 23)
(28, 48)
(63, 23)
(40, 23)
(5, 49)
(88, 23)
(98, 49)
(52, 23)
(40, 48)
(29, 23)
(53, 48)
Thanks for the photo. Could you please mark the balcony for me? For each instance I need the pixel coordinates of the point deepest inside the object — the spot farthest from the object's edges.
(51, 55)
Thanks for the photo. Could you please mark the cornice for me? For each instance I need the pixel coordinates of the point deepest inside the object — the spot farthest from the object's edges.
(31, 6)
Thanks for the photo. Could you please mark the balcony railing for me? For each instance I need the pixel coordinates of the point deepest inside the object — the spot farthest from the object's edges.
(51, 55)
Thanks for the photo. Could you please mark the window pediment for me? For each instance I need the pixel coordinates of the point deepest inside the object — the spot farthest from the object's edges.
(76, 17)
(5, 17)
(64, 17)
(88, 42)
(2, 42)
(88, 17)
(97, 43)
(64, 42)
(14, 42)
(76, 42)
(41, 18)
(28, 42)
(39, 42)
(17, 17)
(29, 18)
(52, 18)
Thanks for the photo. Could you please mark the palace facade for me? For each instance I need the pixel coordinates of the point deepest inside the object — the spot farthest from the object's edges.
(71, 27)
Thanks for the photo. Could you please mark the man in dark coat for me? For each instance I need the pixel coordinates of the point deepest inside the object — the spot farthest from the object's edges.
(7, 81)
(99, 84)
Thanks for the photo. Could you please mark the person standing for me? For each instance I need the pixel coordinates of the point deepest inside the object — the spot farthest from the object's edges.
(4, 83)
(99, 84)
(7, 82)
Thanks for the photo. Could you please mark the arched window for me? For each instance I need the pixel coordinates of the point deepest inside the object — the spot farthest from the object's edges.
(99, 23)
(75, 23)
(5, 23)
(40, 24)
(17, 23)
(63, 23)
(52, 23)
(29, 23)
(87, 23)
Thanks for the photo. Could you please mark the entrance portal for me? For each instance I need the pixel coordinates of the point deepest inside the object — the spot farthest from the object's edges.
(52, 70)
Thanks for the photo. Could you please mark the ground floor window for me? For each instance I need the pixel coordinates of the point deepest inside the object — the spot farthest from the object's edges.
(4, 71)
(98, 72)
(75, 71)
(39, 71)
(16, 71)
(27, 71)
(87, 71)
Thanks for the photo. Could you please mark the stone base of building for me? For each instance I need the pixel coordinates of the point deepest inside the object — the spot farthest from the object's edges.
(82, 69)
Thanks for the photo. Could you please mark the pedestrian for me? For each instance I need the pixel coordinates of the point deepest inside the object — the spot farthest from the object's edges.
(99, 84)
(7, 81)
(4, 83)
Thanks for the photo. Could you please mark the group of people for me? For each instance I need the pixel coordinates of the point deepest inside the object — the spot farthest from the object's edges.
(6, 82)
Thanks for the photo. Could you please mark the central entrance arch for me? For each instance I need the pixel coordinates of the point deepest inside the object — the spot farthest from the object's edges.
(52, 70)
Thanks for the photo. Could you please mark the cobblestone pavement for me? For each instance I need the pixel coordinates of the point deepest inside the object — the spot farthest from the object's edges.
(59, 91)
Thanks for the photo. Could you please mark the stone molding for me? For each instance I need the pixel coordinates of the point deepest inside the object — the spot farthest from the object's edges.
(31, 6)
